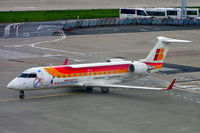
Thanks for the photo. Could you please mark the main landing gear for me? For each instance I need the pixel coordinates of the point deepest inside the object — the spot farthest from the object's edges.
(21, 94)
(105, 90)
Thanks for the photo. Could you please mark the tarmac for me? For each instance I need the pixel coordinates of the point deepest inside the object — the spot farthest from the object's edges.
(27, 45)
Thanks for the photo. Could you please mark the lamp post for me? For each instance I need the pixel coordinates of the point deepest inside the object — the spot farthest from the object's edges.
(184, 9)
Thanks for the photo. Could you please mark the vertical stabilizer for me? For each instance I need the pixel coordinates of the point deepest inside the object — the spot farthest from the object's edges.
(158, 53)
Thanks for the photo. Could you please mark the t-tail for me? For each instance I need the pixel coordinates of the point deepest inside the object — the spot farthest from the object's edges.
(156, 56)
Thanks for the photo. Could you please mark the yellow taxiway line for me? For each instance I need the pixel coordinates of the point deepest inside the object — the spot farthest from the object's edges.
(44, 96)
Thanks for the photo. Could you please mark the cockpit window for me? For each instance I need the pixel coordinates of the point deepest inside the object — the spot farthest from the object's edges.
(32, 75)
(23, 75)
(28, 75)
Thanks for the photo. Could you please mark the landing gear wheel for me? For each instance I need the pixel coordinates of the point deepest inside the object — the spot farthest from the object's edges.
(89, 89)
(105, 90)
(21, 94)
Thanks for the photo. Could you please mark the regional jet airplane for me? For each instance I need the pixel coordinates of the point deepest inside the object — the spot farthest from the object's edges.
(103, 75)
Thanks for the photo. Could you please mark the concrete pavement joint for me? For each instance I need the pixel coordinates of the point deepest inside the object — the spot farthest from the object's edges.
(184, 97)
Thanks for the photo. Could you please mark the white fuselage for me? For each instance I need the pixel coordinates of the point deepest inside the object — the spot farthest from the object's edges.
(74, 75)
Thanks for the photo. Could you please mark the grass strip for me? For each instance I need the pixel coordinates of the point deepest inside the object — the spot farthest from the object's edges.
(28, 16)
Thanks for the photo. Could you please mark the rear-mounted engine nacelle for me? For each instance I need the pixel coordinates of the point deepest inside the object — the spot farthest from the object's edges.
(138, 68)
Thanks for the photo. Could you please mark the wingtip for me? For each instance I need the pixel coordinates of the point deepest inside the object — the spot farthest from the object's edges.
(171, 85)
(66, 61)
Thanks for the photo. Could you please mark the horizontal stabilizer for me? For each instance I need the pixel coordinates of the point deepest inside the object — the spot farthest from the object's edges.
(170, 40)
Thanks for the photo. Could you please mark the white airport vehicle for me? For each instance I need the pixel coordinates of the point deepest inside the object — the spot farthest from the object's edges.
(104, 75)
(156, 13)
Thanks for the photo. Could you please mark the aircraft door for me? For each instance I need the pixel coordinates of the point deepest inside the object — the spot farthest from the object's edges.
(38, 82)
(46, 78)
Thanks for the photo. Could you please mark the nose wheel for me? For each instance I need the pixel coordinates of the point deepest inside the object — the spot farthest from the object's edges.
(21, 94)
(89, 89)
(105, 90)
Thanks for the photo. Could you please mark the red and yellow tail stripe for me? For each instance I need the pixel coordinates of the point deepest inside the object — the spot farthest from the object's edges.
(155, 65)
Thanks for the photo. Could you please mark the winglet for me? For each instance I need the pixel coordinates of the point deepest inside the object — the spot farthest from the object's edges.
(65, 63)
(170, 86)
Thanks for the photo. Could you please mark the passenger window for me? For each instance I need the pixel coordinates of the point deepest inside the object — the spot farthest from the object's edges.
(80, 74)
(172, 13)
(74, 75)
(99, 73)
(58, 76)
(63, 76)
(85, 74)
(104, 72)
(191, 12)
(154, 13)
(127, 11)
(69, 75)
(140, 12)
(90, 73)
(95, 73)
(109, 72)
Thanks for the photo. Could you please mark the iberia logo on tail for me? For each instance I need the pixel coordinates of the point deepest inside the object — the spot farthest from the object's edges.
(159, 55)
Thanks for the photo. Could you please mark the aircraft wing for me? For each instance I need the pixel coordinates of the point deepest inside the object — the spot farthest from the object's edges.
(129, 87)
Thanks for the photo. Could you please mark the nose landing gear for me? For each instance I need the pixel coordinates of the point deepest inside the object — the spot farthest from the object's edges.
(89, 89)
(21, 94)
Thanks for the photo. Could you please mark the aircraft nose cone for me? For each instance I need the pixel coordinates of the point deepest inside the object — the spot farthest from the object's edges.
(10, 85)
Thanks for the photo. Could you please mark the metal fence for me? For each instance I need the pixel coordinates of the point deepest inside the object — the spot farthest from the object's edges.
(136, 21)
